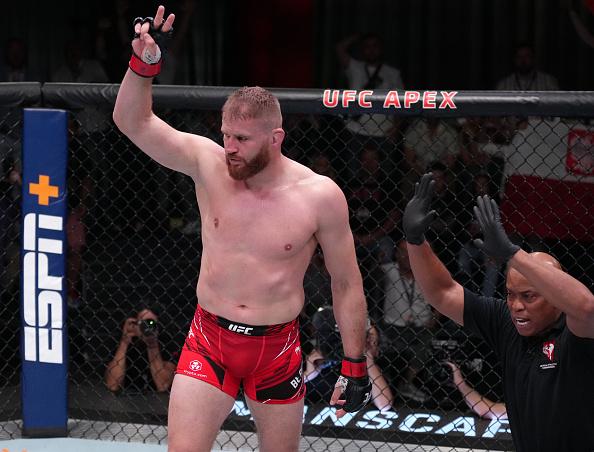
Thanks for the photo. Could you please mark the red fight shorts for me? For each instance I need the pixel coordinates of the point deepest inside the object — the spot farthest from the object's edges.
(266, 359)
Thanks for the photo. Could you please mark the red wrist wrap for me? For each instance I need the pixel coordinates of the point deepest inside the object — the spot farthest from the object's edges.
(355, 368)
(144, 69)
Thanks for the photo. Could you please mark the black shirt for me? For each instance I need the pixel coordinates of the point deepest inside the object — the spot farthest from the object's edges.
(548, 379)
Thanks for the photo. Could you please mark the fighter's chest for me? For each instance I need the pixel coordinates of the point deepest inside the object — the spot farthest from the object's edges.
(282, 223)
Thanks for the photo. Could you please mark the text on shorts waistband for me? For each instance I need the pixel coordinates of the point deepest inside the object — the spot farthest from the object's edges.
(244, 328)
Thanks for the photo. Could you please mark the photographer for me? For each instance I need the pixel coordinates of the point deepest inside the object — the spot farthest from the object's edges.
(129, 369)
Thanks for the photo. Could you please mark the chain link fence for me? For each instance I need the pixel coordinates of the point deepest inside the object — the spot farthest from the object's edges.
(134, 244)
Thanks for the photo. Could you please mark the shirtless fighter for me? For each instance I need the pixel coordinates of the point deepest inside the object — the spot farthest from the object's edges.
(262, 217)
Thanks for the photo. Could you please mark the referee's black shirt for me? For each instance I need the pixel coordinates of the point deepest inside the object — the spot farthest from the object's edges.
(548, 379)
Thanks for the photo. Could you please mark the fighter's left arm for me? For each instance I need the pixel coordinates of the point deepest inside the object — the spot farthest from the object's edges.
(353, 388)
(336, 240)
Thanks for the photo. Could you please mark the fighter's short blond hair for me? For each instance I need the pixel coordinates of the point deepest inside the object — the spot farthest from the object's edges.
(253, 102)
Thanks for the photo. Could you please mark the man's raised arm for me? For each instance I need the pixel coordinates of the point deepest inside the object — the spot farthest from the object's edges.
(543, 271)
(437, 285)
(133, 108)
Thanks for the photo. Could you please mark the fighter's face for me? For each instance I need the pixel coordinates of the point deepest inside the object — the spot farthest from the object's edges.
(247, 151)
(530, 312)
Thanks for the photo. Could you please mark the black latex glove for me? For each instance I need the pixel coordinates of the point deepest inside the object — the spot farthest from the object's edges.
(496, 243)
(417, 217)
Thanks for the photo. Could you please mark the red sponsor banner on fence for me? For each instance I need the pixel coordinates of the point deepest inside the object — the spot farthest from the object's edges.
(580, 152)
(550, 185)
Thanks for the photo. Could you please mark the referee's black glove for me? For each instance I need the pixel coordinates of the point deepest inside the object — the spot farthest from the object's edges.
(496, 243)
(417, 217)
(353, 388)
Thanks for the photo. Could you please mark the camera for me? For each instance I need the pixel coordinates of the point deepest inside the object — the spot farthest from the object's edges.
(452, 350)
(148, 327)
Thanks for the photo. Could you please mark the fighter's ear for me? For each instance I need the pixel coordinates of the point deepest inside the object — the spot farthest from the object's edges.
(278, 135)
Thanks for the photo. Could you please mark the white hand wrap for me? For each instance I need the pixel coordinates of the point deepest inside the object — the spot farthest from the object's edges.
(149, 58)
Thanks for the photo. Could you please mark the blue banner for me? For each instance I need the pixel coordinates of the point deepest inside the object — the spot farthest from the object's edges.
(43, 279)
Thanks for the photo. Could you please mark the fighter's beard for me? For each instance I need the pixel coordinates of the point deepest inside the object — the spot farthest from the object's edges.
(249, 168)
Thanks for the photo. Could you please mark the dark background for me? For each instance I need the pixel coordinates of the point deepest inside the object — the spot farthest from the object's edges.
(437, 44)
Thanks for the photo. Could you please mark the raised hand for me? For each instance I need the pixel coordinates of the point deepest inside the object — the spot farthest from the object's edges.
(151, 36)
(417, 217)
(496, 243)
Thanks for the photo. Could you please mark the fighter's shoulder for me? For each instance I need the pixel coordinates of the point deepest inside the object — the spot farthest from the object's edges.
(324, 197)
(319, 187)
(208, 153)
(201, 143)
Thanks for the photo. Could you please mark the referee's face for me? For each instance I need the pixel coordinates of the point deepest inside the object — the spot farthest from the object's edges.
(530, 312)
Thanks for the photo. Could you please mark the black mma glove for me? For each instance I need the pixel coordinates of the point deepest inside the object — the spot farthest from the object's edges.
(496, 243)
(417, 218)
(160, 37)
(354, 384)
(149, 64)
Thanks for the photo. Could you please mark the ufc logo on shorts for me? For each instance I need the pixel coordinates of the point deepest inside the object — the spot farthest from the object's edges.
(42, 312)
(241, 329)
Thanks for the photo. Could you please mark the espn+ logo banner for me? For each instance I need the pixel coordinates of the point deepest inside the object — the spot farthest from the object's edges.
(43, 281)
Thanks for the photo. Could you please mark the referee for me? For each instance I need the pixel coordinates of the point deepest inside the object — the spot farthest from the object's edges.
(543, 333)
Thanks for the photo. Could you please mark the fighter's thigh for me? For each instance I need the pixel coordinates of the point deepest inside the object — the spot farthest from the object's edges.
(278, 425)
(196, 411)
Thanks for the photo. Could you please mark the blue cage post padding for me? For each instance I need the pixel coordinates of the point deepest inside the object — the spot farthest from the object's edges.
(43, 279)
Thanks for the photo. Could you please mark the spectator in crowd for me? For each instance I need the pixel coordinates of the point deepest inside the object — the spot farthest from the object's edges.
(322, 365)
(77, 68)
(543, 336)
(139, 363)
(373, 216)
(14, 67)
(303, 134)
(370, 72)
(426, 141)
(476, 270)
(484, 145)
(408, 322)
(479, 404)
(526, 76)
(446, 226)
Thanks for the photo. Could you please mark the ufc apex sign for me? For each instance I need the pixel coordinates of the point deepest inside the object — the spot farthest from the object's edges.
(42, 292)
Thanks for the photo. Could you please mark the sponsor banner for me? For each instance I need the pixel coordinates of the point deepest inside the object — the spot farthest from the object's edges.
(550, 181)
(440, 424)
(43, 260)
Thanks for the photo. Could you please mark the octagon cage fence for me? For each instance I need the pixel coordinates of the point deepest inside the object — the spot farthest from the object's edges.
(133, 233)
